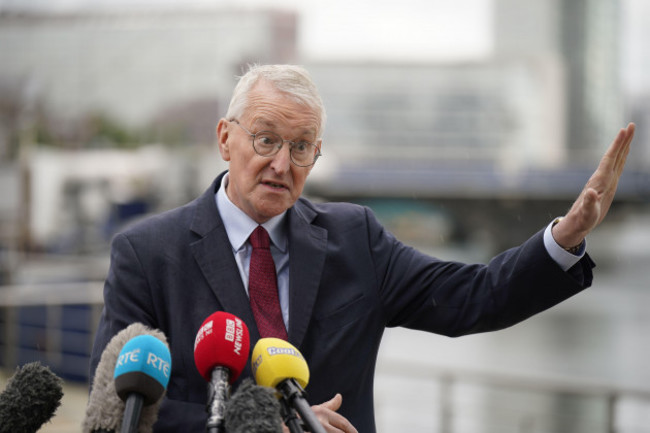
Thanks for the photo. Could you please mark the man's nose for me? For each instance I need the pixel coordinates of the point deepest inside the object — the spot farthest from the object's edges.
(282, 160)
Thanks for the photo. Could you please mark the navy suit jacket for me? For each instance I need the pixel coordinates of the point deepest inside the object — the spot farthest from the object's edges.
(349, 280)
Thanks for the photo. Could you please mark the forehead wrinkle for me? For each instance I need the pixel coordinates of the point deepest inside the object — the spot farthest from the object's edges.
(270, 106)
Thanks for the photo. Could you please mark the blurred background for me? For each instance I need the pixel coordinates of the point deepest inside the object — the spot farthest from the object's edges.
(467, 126)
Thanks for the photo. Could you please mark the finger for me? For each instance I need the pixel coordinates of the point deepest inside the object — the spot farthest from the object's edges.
(341, 423)
(334, 403)
(629, 135)
(591, 208)
(590, 198)
(621, 147)
(612, 157)
(612, 164)
(331, 420)
(336, 422)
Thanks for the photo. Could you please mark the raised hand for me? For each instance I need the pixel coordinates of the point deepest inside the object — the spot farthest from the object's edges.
(593, 203)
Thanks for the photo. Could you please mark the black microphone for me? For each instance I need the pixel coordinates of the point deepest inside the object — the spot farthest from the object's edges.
(30, 399)
(105, 410)
(253, 409)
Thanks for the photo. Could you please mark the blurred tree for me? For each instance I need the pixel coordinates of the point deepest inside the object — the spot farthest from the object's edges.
(10, 114)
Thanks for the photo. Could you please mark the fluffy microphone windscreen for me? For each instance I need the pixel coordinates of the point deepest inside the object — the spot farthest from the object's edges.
(275, 360)
(222, 341)
(30, 399)
(105, 409)
(253, 409)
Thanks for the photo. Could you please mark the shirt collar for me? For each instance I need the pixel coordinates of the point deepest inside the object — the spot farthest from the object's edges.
(239, 226)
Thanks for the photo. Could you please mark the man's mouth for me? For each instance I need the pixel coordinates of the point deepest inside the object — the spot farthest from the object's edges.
(274, 185)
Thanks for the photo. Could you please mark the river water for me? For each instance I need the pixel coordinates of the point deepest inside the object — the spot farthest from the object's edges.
(555, 372)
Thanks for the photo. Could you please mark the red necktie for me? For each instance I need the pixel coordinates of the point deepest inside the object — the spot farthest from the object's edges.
(263, 287)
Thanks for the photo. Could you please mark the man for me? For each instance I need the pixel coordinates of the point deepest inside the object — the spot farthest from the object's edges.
(341, 277)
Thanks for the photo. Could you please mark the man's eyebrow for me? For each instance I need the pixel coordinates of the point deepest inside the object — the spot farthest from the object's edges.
(267, 125)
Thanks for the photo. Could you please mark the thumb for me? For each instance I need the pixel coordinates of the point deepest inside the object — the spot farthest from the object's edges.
(590, 197)
(334, 404)
(591, 207)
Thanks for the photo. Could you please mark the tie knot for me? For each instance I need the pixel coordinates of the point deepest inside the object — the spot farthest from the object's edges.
(260, 238)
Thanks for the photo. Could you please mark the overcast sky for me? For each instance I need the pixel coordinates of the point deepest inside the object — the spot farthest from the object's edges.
(420, 30)
(400, 29)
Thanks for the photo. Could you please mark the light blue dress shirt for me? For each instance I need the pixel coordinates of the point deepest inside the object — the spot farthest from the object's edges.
(239, 227)
(561, 256)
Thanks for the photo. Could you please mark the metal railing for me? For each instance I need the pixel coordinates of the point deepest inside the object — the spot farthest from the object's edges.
(420, 397)
(55, 323)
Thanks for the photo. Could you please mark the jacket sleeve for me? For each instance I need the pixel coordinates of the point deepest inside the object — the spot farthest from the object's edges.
(127, 297)
(453, 299)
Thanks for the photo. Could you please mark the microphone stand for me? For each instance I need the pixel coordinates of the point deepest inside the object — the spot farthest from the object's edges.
(132, 410)
(290, 417)
(293, 396)
(218, 393)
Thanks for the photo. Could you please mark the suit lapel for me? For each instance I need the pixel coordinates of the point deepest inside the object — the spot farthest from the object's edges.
(213, 253)
(307, 250)
(214, 256)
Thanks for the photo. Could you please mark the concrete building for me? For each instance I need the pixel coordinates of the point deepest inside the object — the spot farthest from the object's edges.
(136, 65)
(583, 37)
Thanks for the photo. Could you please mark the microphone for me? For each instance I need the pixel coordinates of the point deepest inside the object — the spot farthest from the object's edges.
(105, 409)
(31, 397)
(141, 376)
(221, 350)
(253, 409)
(278, 364)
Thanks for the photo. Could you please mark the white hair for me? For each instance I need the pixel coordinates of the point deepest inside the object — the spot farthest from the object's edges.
(292, 80)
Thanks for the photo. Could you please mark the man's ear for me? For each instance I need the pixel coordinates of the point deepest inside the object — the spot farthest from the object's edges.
(222, 139)
(318, 143)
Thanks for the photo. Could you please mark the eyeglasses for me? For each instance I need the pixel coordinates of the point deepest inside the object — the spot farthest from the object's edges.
(267, 143)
